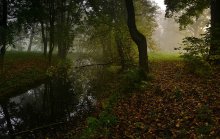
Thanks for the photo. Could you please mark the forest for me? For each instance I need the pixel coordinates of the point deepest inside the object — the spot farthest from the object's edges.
(109, 69)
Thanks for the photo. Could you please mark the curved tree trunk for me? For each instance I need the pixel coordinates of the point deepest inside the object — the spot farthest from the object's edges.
(137, 37)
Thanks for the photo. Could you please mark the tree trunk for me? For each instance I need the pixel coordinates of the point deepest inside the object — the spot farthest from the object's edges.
(52, 20)
(215, 31)
(51, 41)
(31, 37)
(4, 34)
(44, 39)
(137, 37)
(61, 30)
(63, 44)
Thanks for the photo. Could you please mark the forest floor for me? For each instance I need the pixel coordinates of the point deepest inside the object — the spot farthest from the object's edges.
(177, 104)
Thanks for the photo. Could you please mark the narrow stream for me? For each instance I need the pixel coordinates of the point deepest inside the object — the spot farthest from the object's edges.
(53, 102)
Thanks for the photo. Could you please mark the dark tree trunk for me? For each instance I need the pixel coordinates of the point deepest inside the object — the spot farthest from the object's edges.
(31, 37)
(215, 31)
(137, 37)
(62, 50)
(52, 20)
(63, 44)
(44, 39)
(4, 34)
(61, 28)
(51, 41)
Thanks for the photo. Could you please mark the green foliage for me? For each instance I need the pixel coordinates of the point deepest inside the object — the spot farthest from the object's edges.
(204, 114)
(144, 84)
(61, 70)
(196, 55)
(188, 10)
(132, 75)
(146, 13)
(196, 47)
(133, 80)
(100, 127)
(93, 123)
(204, 129)
(178, 94)
(107, 119)
(109, 103)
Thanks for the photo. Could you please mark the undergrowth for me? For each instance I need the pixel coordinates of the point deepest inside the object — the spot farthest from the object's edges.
(100, 126)
(196, 56)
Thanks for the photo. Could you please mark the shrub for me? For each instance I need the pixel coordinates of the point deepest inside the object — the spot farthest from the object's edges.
(132, 80)
(61, 70)
(204, 129)
(196, 55)
(100, 127)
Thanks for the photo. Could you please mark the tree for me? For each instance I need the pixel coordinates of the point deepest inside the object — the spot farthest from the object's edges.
(3, 32)
(108, 19)
(111, 15)
(200, 24)
(31, 37)
(137, 37)
(190, 11)
(146, 13)
(69, 14)
(56, 19)
(215, 29)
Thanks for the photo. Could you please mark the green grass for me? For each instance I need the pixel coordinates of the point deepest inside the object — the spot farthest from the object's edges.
(164, 56)
(21, 55)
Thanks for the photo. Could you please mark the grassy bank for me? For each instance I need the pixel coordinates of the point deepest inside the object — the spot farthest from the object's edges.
(163, 56)
(22, 71)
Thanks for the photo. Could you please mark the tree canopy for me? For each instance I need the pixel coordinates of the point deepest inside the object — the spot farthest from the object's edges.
(189, 11)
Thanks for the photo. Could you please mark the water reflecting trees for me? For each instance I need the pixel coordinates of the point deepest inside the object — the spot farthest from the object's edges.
(58, 100)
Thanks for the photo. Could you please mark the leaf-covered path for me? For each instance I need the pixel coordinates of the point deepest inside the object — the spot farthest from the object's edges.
(176, 105)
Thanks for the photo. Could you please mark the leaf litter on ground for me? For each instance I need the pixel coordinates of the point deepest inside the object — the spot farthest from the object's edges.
(176, 105)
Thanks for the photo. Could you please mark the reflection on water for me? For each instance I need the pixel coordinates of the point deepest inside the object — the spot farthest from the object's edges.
(55, 101)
